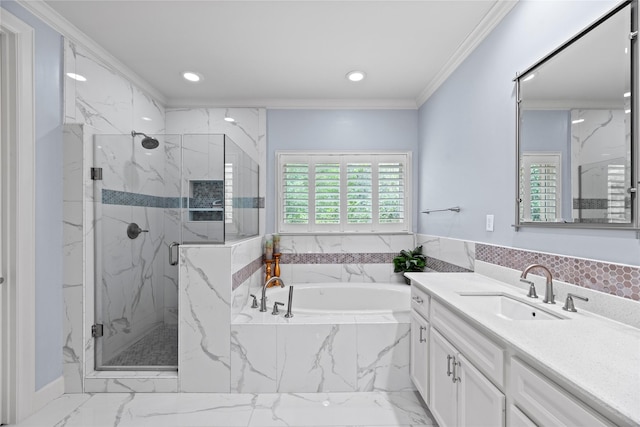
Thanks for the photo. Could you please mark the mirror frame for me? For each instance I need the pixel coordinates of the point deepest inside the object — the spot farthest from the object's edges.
(634, 224)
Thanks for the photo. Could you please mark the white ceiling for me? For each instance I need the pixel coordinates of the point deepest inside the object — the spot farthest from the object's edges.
(287, 53)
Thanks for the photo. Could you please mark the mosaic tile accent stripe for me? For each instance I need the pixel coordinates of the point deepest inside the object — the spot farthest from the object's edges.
(248, 202)
(124, 198)
(439, 266)
(242, 275)
(614, 279)
(339, 258)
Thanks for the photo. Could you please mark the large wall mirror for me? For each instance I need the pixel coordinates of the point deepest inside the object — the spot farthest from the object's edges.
(576, 140)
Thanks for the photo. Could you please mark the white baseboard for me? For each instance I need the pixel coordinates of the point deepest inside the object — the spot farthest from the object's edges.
(46, 394)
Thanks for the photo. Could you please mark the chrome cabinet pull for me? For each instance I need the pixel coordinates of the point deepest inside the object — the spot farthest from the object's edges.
(417, 299)
(455, 378)
(173, 261)
(422, 339)
(449, 365)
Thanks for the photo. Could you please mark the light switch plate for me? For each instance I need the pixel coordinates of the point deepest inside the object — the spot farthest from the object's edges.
(489, 226)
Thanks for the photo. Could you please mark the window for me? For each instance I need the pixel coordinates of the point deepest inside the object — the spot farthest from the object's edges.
(348, 192)
(539, 179)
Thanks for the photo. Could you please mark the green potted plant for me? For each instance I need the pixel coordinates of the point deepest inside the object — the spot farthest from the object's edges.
(409, 261)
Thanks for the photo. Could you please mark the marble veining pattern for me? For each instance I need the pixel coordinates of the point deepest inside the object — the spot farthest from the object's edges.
(399, 409)
(204, 327)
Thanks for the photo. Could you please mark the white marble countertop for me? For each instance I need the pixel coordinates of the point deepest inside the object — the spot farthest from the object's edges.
(599, 359)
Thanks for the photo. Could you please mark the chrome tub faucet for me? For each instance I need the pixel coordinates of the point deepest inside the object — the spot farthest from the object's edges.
(263, 301)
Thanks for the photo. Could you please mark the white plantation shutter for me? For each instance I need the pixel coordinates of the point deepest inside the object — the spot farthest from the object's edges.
(540, 187)
(617, 193)
(348, 192)
(359, 193)
(295, 193)
(391, 192)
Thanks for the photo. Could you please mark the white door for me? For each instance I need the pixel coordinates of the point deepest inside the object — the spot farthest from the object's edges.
(442, 388)
(419, 366)
(480, 403)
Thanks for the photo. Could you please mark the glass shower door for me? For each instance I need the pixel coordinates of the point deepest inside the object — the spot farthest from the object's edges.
(137, 217)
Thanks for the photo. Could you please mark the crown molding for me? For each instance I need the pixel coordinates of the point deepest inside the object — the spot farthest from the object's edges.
(491, 20)
(48, 15)
(316, 104)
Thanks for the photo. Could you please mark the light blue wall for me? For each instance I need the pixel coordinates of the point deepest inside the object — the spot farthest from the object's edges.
(467, 138)
(48, 199)
(337, 130)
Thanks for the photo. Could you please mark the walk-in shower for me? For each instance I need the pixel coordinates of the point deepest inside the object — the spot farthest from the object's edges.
(150, 196)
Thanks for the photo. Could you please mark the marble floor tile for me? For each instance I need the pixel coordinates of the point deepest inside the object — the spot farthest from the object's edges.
(379, 409)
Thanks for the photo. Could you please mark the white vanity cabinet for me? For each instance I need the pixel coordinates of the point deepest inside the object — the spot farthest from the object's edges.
(419, 364)
(460, 394)
(546, 403)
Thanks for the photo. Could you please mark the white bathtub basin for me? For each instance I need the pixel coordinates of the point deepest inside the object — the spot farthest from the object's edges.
(345, 298)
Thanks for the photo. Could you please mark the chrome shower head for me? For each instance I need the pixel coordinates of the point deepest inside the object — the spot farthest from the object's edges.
(147, 142)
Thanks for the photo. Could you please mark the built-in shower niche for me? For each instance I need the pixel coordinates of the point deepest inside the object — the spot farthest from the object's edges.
(220, 198)
(206, 200)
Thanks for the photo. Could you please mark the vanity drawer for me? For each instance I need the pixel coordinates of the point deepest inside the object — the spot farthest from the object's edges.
(483, 353)
(546, 403)
(420, 301)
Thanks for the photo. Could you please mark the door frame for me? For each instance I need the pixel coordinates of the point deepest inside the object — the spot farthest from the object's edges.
(18, 139)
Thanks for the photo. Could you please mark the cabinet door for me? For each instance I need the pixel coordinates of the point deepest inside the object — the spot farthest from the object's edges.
(480, 403)
(420, 354)
(442, 389)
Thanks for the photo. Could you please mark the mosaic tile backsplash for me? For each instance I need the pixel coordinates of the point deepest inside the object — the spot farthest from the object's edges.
(615, 279)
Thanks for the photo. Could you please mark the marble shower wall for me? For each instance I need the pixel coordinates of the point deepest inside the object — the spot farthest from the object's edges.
(248, 132)
(108, 104)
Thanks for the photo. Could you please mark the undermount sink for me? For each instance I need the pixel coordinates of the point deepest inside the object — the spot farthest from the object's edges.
(510, 307)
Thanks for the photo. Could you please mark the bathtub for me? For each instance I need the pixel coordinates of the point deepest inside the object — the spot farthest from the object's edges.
(345, 298)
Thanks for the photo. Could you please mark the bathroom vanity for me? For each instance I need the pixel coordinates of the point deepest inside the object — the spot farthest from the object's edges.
(482, 353)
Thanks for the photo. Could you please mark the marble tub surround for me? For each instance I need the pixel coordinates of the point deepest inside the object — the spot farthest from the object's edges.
(594, 358)
(341, 258)
(318, 353)
(399, 409)
(447, 255)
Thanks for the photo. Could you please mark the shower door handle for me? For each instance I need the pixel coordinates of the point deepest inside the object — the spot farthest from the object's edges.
(173, 261)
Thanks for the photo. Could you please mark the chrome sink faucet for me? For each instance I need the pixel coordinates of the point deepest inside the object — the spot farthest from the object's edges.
(263, 301)
(549, 298)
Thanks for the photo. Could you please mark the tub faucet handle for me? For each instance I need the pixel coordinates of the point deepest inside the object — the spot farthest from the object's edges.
(254, 304)
(289, 313)
(275, 307)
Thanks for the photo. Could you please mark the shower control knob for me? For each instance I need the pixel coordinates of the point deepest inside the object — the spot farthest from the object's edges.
(134, 230)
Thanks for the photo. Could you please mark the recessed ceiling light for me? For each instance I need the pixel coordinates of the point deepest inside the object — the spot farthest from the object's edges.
(627, 111)
(147, 119)
(77, 77)
(529, 77)
(627, 94)
(191, 76)
(575, 122)
(229, 119)
(356, 76)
